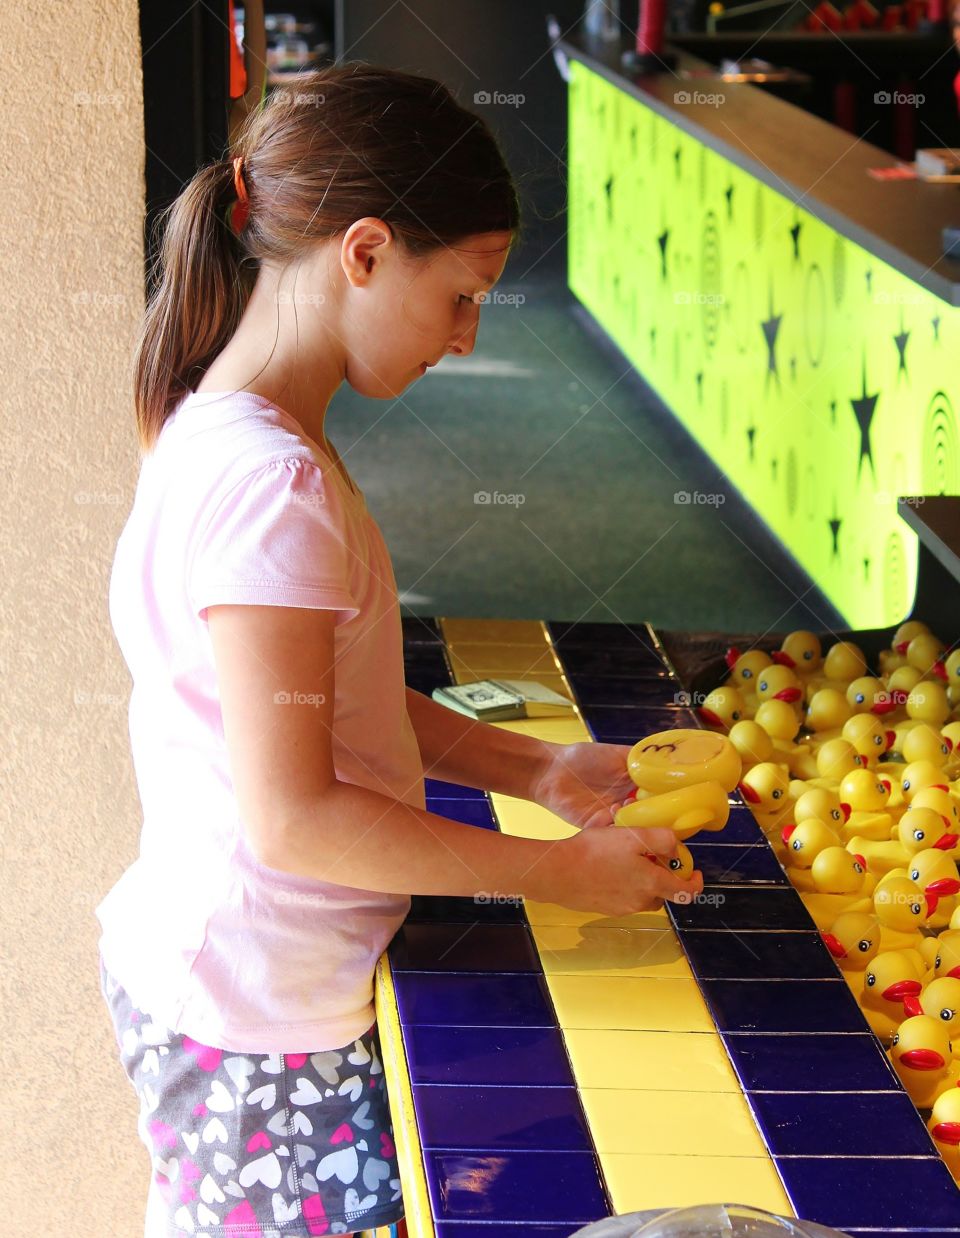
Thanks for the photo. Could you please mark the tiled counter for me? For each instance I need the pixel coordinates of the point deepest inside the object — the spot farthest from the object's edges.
(550, 1067)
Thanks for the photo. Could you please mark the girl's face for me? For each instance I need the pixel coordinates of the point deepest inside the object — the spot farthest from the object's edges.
(401, 314)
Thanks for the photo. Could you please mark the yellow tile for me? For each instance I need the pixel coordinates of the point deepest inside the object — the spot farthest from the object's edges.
(525, 812)
(637, 1183)
(494, 631)
(663, 1005)
(552, 830)
(522, 661)
(569, 730)
(570, 950)
(655, 1061)
(554, 913)
(647, 1123)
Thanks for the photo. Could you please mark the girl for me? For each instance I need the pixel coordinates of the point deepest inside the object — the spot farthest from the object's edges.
(280, 759)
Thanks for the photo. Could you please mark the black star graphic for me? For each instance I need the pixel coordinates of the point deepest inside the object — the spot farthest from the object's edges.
(662, 242)
(869, 277)
(653, 340)
(866, 571)
(795, 237)
(864, 407)
(793, 368)
(773, 469)
(676, 160)
(728, 194)
(751, 435)
(833, 412)
(608, 187)
(935, 323)
(633, 141)
(699, 377)
(835, 532)
(901, 342)
(770, 328)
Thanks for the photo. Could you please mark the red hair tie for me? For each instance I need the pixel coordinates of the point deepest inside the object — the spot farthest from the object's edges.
(241, 208)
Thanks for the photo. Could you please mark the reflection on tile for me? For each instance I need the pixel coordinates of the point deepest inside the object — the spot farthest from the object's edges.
(463, 1000)
(435, 788)
(501, 1118)
(841, 1124)
(741, 828)
(873, 1191)
(687, 1124)
(743, 907)
(756, 956)
(418, 629)
(637, 1183)
(591, 634)
(516, 1186)
(470, 812)
(653, 689)
(783, 1006)
(654, 1061)
(518, 1055)
(622, 1002)
(463, 947)
(602, 951)
(748, 864)
(493, 631)
(827, 1063)
(631, 725)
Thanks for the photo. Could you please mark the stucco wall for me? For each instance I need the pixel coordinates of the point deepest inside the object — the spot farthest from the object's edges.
(71, 209)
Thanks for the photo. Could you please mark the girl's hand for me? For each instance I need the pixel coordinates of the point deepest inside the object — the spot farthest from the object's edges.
(585, 783)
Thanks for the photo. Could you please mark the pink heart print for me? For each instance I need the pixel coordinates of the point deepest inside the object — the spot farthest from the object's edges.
(315, 1215)
(199, 1110)
(162, 1134)
(244, 1218)
(343, 1132)
(295, 1060)
(207, 1058)
(386, 1146)
(259, 1140)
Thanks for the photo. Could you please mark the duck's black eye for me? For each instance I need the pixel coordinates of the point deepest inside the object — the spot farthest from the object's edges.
(762, 686)
(735, 715)
(896, 1038)
(747, 673)
(906, 784)
(947, 1014)
(859, 698)
(915, 909)
(777, 795)
(871, 980)
(877, 740)
(937, 962)
(915, 874)
(919, 835)
(808, 655)
(836, 814)
(857, 866)
(797, 845)
(675, 864)
(864, 945)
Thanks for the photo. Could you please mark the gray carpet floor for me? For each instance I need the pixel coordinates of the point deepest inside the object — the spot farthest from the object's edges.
(581, 465)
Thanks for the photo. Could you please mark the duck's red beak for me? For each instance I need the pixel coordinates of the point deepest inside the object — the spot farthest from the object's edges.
(787, 831)
(911, 1007)
(782, 659)
(885, 782)
(846, 810)
(946, 842)
(902, 647)
(730, 657)
(860, 859)
(939, 669)
(628, 799)
(948, 741)
(891, 739)
(885, 705)
(709, 716)
(900, 989)
(955, 972)
(748, 793)
(834, 946)
(788, 694)
(947, 1132)
(922, 1059)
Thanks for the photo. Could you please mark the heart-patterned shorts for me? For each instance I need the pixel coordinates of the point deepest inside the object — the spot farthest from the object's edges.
(253, 1145)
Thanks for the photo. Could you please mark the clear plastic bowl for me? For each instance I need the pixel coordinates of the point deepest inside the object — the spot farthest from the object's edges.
(706, 1221)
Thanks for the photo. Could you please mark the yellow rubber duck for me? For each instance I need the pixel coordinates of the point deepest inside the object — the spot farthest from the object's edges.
(901, 682)
(752, 742)
(951, 677)
(782, 722)
(936, 874)
(840, 883)
(926, 743)
(892, 976)
(836, 758)
(804, 842)
(924, 652)
(868, 736)
(683, 778)
(779, 683)
(822, 803)
(942, 801)
(744, 669)
(917, 830)
(944, 1128)
(844, 662)
(867, 694)
(866, 796)
(927, 702)
(940, 999)
(827, 711)
(801, 651)
(854, 941)
(902, 909)
(946, 958)
(922, 1055)
(764, 787)
(723, 707)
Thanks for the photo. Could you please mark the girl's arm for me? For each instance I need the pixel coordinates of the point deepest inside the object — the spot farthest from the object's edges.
(459, 749)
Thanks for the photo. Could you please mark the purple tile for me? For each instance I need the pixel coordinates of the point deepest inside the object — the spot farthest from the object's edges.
(451, 909)
(757, 956)
(652, 689)
(470, 1229)
(629, 726)
(464, 948)
(782, 1006)
(501, 1119)
(420, 629)
(470, 1055)
(635, 638)
(827, 1063)
(425, 679)
(620, 662)
(514, 1187)
(435, 788)
(456, 1000)
(471, 812)
(749, 864)
(741, 828)
(856, 1232)
(743, 907)
(877, 1192)
(841, 1124)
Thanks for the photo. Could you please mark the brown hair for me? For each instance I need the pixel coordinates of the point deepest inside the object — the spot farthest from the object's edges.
(336, 144)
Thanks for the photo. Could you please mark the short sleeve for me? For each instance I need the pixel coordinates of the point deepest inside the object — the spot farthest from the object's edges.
(274, 540)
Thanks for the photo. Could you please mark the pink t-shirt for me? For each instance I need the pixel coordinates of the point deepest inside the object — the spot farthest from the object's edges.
(237, 504)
